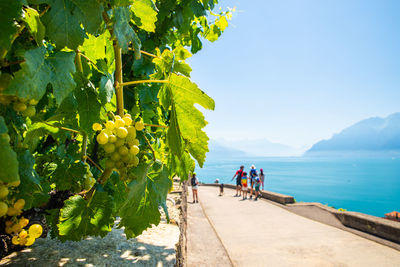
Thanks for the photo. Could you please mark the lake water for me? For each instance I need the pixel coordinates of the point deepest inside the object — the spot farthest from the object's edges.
(370, 186)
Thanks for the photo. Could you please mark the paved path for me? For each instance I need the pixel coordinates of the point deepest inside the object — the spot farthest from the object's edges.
(258, 233)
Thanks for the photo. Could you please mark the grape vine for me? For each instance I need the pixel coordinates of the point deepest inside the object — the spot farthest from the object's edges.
(97, 107)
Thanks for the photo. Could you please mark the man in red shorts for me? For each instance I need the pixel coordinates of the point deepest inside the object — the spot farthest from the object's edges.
(238, 175)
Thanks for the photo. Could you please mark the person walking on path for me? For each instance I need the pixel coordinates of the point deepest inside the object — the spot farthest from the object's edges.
(253, 175)
(244, 185)
(257, 187)
(262, 177)
(195, 185)
(238, 176)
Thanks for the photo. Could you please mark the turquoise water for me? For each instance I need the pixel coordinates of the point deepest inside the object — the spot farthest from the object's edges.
(370, 186)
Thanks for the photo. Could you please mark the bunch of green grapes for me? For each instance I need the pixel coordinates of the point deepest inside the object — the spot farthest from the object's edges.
(21, 236)
(118, 139)
(25, 106)
(8, 207)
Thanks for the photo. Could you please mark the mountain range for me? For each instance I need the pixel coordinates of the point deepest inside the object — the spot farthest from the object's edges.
(373, 136)
(370, 137)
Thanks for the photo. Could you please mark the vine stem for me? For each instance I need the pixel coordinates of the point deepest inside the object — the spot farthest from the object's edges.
(78, 61)
(144, 81)
(154, 125)
(84, 147)
(105, 175)
(144, 53)
(94, 163)
(63, 128)
(151, 148)
(119, 86)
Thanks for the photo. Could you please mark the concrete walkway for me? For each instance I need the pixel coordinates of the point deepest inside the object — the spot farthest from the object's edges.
(258, 233)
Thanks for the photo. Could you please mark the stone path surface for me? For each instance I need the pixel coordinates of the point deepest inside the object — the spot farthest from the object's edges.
(259, 233)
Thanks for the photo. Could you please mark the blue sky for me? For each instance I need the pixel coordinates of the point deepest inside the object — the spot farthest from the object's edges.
(295, 72)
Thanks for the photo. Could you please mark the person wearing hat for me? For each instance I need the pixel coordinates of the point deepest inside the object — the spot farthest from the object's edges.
(262, 177)
(253, 174)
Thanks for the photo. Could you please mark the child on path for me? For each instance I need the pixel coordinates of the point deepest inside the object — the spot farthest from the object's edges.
(257, 187)
(253, 175)
(262, 177)
(244, 185)
(238, 175)
(195, 185)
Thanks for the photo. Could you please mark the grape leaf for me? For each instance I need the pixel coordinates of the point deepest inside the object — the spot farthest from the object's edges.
(95, 47)
(124, 32)
(81, 218)
(35, 26)
(37, 71)
(8, 158)
(191, 121)
(9, 10)
(36, 131)
(62, 66)
(31, 189)
(71, 176)
(88, 104)
(106, 90)
(145, 12)
(31, 81)
(146, 193)
(63, 21)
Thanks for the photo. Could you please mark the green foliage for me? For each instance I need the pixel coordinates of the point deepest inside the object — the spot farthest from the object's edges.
(38, 70)
(146, 193)
(81, 218)
(57, 62)
(8, 158)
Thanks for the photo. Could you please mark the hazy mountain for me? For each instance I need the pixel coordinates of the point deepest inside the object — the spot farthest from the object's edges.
(251, 148)
(372, 136)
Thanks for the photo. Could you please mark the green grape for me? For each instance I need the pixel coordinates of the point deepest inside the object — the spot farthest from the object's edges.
(110, 164)
(139, 125)
(109, 148)
(122, 132)
(35, 230)
(3, 208)
(97, 126)
(110, 125)
(102, 138)
(134, 150)
(107, 131)
(29, 241)
(3, 191)
(119, 142)
(117, 117)
(19, 107)
(112, 138)
(131, 131)
(33, 102)
(119, 123)
(126, 158)
(115, 156)
(123, 150)
(136, 162)
(29, 112)
(19, 205)
(5, 137)
(136, 142)
(127, 120)
(119, 164)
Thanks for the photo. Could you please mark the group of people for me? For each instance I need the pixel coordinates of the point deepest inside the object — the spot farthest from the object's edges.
(246, 183)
